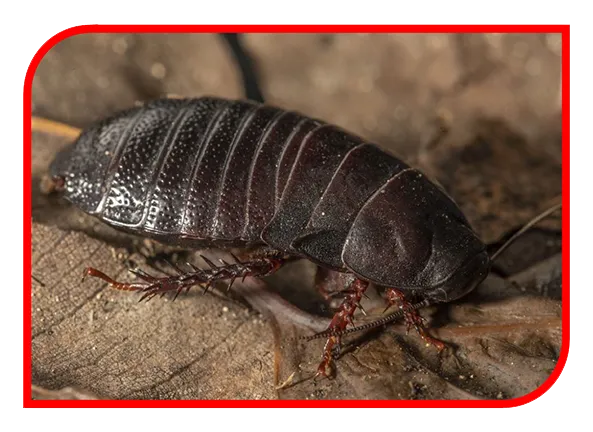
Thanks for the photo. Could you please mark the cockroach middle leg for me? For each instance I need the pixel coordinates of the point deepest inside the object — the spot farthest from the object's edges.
(341, 319)
(184, 280)
(411, 317)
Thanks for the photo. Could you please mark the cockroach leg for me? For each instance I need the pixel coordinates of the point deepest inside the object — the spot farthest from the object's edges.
(341, 319)
(152, 286)
(93, 272)
(411, 317)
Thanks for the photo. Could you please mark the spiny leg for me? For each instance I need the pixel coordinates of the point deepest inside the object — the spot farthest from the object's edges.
(411, 317)
(341, 319)
(152, 285)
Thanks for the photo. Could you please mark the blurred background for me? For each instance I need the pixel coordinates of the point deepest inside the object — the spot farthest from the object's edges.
(480, 113)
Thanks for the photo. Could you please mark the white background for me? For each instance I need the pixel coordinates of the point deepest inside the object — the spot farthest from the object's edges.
(26, 26)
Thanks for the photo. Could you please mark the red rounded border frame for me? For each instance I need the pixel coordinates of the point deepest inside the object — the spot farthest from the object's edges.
(564, 30)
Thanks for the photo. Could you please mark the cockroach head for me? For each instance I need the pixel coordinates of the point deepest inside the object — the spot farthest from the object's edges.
(78, 171)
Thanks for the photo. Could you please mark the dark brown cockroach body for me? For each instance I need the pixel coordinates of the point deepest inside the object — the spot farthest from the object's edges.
(210, 171)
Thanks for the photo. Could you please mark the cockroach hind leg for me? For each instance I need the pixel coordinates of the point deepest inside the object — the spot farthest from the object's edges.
(93, 272)
(412, 317)
(152, 285)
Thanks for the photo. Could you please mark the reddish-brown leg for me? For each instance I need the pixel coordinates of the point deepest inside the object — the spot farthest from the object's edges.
(411, 317)
(341, 319)
(152, 286)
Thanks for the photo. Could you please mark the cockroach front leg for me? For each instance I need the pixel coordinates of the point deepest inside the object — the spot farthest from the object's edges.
(341, 319)
(184, 280)
(411, 317)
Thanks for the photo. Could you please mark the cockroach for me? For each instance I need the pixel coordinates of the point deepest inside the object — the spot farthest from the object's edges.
(214, 172)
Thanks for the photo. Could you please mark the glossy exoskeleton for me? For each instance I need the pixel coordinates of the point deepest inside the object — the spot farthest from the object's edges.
(226, 173)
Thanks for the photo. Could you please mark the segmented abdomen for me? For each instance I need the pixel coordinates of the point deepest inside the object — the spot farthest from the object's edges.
(238, 171)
